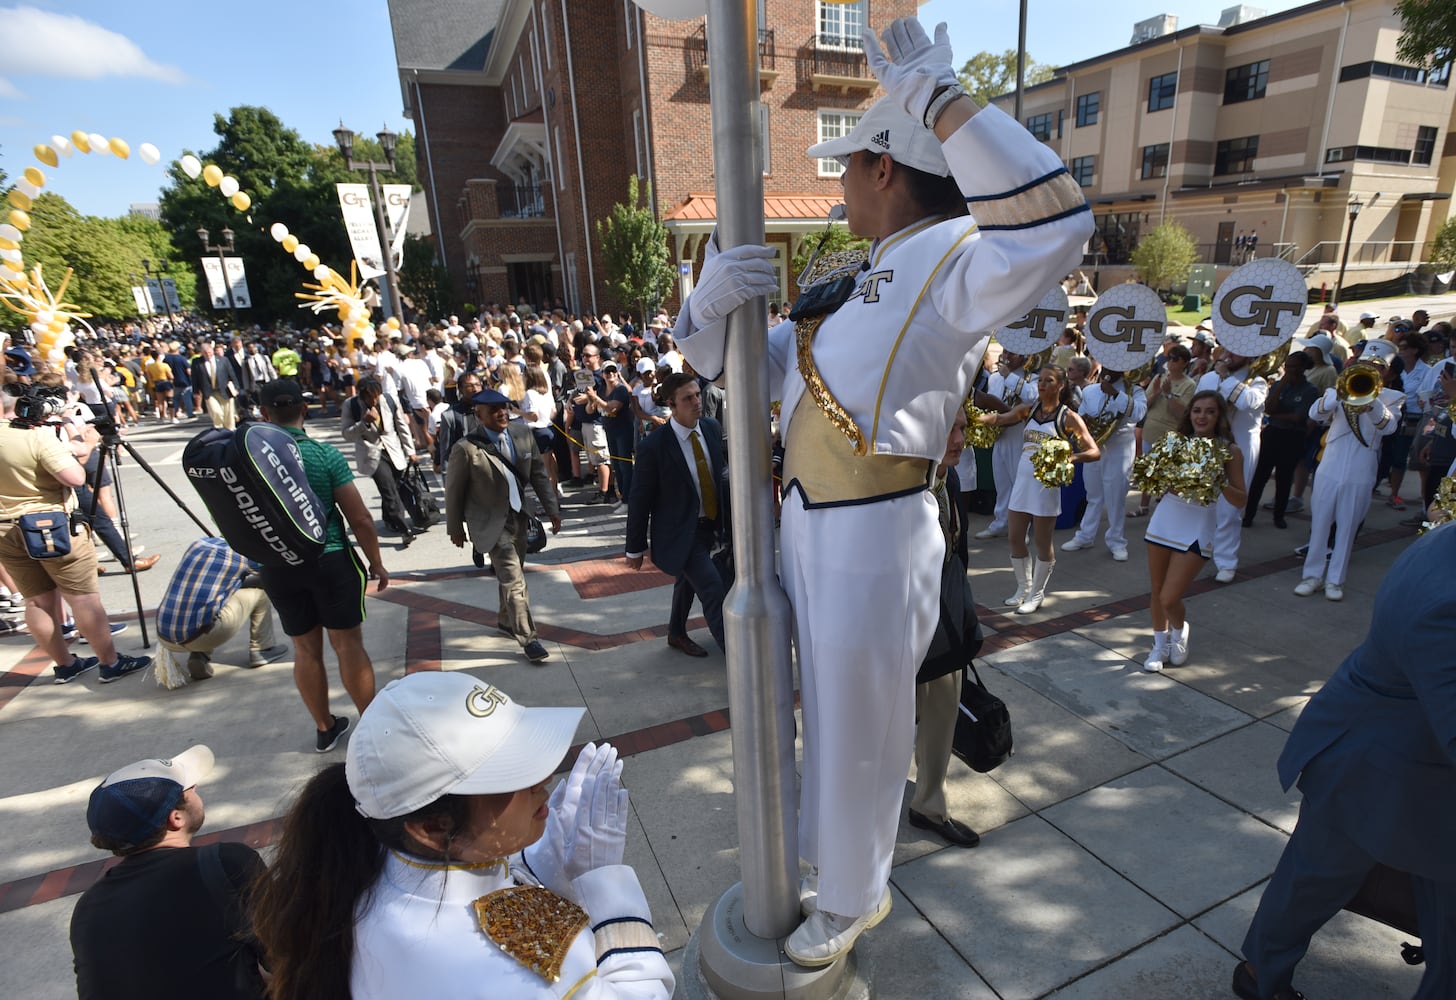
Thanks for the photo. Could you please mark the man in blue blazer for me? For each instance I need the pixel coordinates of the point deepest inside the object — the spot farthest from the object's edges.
(1375, 756)
(677, 489)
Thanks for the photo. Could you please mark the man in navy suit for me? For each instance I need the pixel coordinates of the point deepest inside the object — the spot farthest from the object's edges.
(216, 384)
(1375, 756)
(677, 487)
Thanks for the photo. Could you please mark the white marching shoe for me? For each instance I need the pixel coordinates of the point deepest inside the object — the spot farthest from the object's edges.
(1154, 663)
(824, 936)
(1309, 585)
(809, 892)
(1021, 573)
(1040, 574)
(1178, 646)
(1074, 544)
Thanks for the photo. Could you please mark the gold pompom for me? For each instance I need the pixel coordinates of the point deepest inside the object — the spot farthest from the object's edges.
(1192, 467)
(979, 435)
(1443, 507)
(1052, 462)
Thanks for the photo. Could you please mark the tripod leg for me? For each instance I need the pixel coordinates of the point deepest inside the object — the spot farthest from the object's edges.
(136, 587)
(131, 450)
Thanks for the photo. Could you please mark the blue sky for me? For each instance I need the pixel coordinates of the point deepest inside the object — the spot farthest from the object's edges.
(158, 70)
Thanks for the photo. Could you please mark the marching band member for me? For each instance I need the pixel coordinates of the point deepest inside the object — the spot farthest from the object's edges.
(1351, 453)
(860, 538)
(1012, 388)
(1107, 484)
(1245, 395)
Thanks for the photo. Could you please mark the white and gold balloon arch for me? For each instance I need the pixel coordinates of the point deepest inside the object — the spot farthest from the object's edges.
(50, 317)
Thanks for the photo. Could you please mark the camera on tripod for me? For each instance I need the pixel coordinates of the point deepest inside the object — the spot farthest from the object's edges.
(37, 404)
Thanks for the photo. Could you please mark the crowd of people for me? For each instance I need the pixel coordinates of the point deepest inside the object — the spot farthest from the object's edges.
(439, 825)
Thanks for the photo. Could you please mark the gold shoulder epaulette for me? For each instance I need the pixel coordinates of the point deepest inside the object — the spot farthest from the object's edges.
(834, 265)
(532, 925)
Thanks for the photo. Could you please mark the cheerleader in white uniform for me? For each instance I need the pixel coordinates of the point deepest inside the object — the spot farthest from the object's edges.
(1180, 534)
(1032, 504)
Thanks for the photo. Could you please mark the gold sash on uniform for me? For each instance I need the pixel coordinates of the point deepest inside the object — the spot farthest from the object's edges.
(829, 471)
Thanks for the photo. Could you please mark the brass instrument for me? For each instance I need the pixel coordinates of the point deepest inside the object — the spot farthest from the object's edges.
(1102, 426)
(1358, 387)
(1268, 365)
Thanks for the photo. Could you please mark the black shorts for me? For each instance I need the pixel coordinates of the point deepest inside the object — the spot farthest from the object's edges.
(328, 593)
(161, 387)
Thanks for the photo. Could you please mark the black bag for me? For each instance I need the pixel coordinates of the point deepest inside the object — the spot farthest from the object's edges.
(535, 531)
(253, 483)
(1388, 896)
(983, 727)
(418, 497)
(958, 632)
(535, 534)
(47, 534)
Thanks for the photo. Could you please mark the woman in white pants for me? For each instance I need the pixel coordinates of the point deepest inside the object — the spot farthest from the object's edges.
(1107, 483)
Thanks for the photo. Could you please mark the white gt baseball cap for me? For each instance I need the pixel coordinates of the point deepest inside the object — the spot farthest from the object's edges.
(886, 128)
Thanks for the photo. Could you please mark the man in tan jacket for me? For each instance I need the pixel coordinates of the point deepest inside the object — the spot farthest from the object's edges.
(485, 486)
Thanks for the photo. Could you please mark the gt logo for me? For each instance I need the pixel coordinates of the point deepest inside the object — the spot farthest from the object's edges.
(1039, 323)
(482, 702)
(870, 286)
(1126, 328)
(1259, 311)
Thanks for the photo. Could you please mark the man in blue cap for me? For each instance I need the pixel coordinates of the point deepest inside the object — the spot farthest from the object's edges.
(485, 491)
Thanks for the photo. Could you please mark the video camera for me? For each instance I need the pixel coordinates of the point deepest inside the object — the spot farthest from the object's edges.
(36, 404)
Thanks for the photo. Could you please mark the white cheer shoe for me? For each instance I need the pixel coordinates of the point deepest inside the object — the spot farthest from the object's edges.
(1154, 663)
(824, 936)
(1178, 646)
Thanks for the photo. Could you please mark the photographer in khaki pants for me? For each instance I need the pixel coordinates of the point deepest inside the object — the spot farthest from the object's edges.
(37, 473)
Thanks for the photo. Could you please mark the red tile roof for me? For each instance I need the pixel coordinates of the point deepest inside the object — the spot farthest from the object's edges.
(704, 207)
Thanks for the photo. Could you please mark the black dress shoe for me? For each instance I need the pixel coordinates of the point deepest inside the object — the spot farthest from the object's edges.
(1247, 987)
(477, 557)
(1279, 521)
(685, 645)
(952, 830)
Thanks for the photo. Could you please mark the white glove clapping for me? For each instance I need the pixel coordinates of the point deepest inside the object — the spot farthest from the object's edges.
(910, 67)
(599, 837)
(565, 802)
(730, 279)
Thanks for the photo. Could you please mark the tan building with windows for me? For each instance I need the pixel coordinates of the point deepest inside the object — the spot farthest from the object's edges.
(531, 114)
(1272, 128)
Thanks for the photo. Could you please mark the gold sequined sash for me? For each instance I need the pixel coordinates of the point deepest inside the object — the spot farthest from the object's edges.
(823, 398)
(828, 473)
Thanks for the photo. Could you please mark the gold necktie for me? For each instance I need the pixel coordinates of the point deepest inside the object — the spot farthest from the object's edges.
(705, 480)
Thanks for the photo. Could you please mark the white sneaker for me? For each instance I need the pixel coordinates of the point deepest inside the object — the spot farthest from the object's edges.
(809, 892)
(1309, 585)
(1119, 555)
(1334, 592)
(824, 936)
(1073, 544)
(1226, 575)
(1178, 646)
(1154, 663)
(991, 533)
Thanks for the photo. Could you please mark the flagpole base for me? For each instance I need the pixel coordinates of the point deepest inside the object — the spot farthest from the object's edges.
(723, 960)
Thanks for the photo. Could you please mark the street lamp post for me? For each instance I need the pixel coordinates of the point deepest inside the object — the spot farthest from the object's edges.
(222, 250)
(1354, 209)
(387, 141)
(162, 269)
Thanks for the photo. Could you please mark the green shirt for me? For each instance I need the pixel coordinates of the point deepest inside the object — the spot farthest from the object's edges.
(327, 470)
(286, 361)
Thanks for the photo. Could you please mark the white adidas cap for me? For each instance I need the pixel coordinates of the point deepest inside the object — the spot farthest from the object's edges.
(886, 128)
(436, 733)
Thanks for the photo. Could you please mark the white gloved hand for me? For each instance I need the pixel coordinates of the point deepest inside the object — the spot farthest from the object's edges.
(1330, 400)
(911, 67)
(600, 834)
(730, 279)
(564, 803)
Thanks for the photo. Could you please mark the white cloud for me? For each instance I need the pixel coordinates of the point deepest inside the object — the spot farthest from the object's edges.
(44, 43)
(8, 90)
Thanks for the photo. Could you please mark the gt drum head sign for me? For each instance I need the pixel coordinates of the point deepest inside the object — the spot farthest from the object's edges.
(1259, 307)
(1125, 327)
(1040, 328)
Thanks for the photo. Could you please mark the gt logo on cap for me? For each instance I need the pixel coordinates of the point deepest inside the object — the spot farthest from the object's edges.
(482, 702)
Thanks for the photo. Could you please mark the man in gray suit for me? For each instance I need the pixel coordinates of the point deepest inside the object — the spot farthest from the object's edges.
(1375, 756)
(676, 487)
(485, 492)
(377, 426)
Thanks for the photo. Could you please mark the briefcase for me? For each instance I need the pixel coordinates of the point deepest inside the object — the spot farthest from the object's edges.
(1389, 897)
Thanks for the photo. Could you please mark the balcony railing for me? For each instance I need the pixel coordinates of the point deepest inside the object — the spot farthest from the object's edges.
(1362, 254)
(838, 56)
(521, 201)
(697, 51)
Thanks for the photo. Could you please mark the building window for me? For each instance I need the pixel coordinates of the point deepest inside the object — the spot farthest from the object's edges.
(1370, 154)
(832, 125)
(840, 24)
(1089, 106)
(637, 144)
(629, 15)
(1084, 168)
(1155, 161)
(560, 161)
(763, 143)
(1246, 83)
(1161, 91)
(1425, 145)
(1438, 77)
(1061, 120)
(546, 37)
(1040, 126)
(1236, 156)
(1115, 236)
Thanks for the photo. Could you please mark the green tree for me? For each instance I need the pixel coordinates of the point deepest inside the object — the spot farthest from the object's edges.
(1164, 256)
(634, 248)
(1443, 246)
(1429, 38)
(423, 281)
(834, 239)
(988, 74)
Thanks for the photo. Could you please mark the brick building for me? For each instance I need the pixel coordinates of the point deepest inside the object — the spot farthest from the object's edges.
(530, 115)
(1269, 126)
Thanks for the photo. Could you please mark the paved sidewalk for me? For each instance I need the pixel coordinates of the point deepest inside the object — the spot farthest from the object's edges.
(1125, 844)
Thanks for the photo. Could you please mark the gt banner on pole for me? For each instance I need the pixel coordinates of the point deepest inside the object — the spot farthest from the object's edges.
(144, 308)
(154, 296)
(358, 212)
(169, 289)
(217, 291)
(396, 214)
(238, 279)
